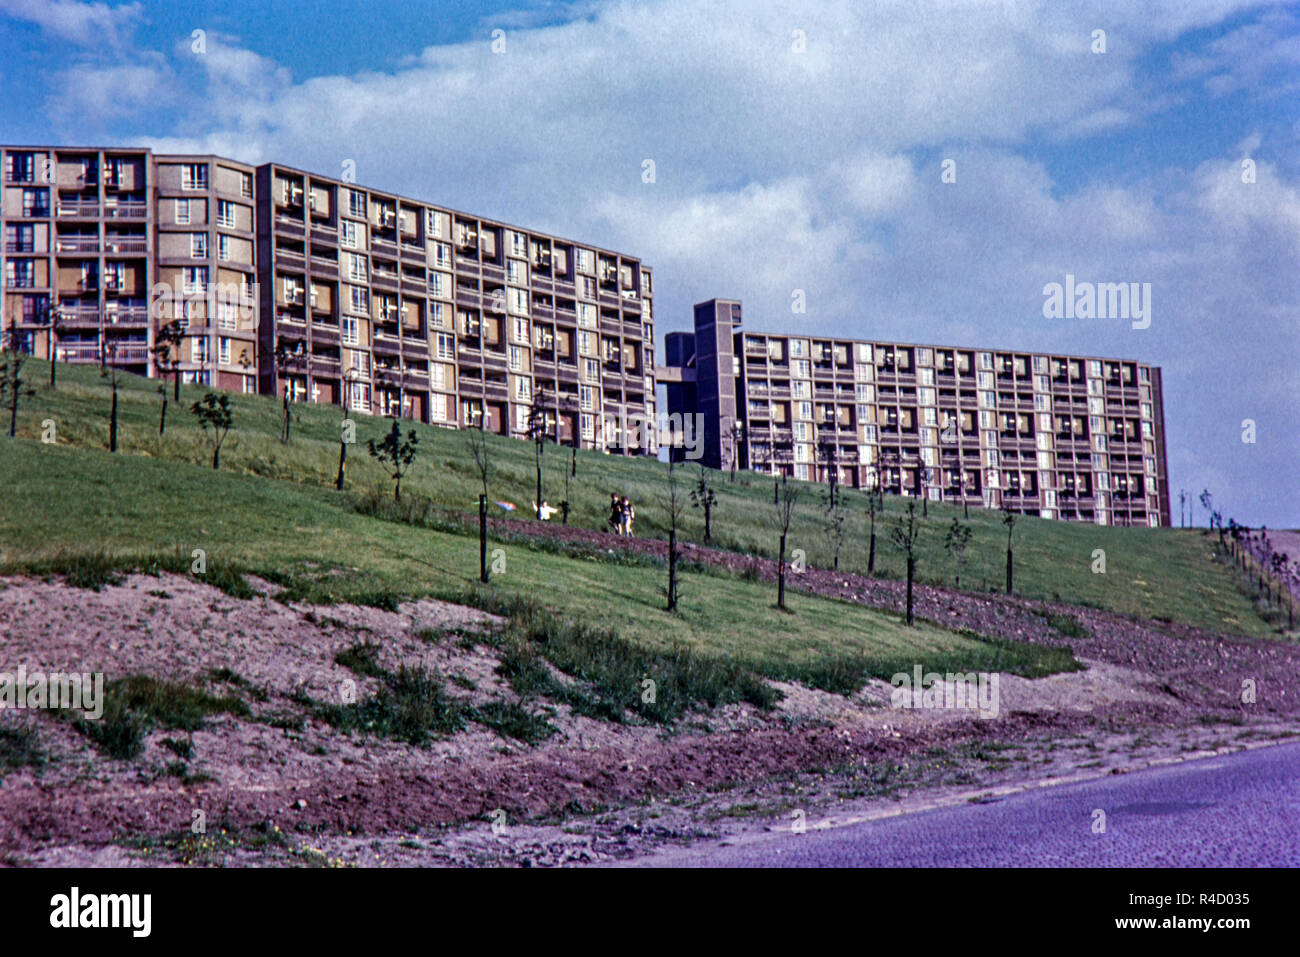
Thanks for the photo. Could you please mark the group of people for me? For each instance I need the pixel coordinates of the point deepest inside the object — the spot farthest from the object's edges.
(621, 515)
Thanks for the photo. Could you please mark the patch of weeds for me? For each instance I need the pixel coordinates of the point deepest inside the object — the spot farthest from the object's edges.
(226, 676)
(513, 720)
(411, 706)
(463, 682)
(134, 705)
(20, 747)
(1067, 625)
(178, 746)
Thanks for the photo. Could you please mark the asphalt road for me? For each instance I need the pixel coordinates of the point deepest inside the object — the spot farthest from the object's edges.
(1240, 810)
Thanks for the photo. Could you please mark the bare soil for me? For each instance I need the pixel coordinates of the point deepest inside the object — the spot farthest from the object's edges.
(279, 787)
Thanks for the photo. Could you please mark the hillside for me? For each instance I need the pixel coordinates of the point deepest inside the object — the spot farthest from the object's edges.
(1150, 573)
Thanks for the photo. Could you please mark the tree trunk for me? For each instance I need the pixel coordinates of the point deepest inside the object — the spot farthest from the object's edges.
(397, 489)
(482, 539)
(285, 436)
(539, 488)
(343, 464)
(162, 416)
(672, 569)
(776, 490)
(708, 523)
(780, 577)
(176, 383)
(911, 571)
(1009, 567)
(573, 460)
(112, 424)
(13, 407)
(965, 507)
(871, 556)
(51, 357)
(216, 457)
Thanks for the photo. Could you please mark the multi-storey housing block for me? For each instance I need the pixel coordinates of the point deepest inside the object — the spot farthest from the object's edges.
(78, 256)
(1062, 436)
(281, 280)
(381, 302)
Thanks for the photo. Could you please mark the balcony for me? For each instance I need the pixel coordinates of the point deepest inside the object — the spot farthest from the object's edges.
(82, 208)
(127, 315)
(127, 211)
(115, 246)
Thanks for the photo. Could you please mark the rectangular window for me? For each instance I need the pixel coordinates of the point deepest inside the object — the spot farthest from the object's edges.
(446, 346)
(356, 203)
(226, 213)
(356, 267)
(223, 351)
(195, 279)
(198, 245)
(183, 212)
(350, 333)
(223, 248)
(194, 176)
(348, 234)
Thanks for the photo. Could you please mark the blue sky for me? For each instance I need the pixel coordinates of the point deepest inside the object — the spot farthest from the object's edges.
(783, 166)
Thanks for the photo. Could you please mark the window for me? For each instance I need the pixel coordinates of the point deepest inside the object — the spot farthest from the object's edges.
(438, 315)
(20, 273)
(226, 213)
(194, 176)
(223, 351)
(523, 388)
(440, 284)
(516, 359)
(433, 224)
(518, 244)
(359, 299)
(586, 397)
(195, 279)
(520, 328)
(36, 202)
(438, 407)
(183, 212)
(442, 255)
(518, 300)
(223, 248)
(22, 167)
(348, 234)
(350, 326)
(198, 245)
(515, 271)
(588, 426)
(587, 287)
(356, 267)
(446, 346)
(586, 344)
(592, 368)
(356, 203)
(586, 315)
(227, 316)
(199, 349)
(586, 261)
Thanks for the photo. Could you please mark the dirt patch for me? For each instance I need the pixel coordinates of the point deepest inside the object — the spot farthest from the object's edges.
(331, 797)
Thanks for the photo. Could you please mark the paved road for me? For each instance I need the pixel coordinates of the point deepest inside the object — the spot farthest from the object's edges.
(1241, 810)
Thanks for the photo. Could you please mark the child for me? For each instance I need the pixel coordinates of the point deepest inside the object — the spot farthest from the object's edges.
(628, 516)
(615, 514)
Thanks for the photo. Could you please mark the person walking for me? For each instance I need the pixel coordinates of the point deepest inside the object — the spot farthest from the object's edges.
(628, 514)
(615, 514)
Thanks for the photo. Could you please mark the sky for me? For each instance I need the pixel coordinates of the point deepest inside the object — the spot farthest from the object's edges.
(799, 153)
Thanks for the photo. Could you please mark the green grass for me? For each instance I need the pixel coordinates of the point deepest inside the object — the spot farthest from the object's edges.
(20, 747)
(137, 703)
(135, 509)
(1151, 573)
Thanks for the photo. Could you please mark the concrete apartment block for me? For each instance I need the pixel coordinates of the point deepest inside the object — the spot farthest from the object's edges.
(1068, 437)
(282, 279)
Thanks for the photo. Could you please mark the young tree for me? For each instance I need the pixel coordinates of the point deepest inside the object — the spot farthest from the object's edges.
(875, 506)
(702, 497)
(110, 372)
(53, 325)
(905, 532)
(213, 413)
(162, 413)
(1009, 520)
(167, 354)
(735, 437)
(477, 441)
(395, 455)
(537, 432)
(1207, 503)
(835, 530)
(784, 513)
(674, 506)
(12, 383)
(828, 452)
(955, 543)
(285, 359)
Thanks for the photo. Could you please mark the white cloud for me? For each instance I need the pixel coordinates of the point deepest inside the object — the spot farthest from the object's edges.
(80, 23)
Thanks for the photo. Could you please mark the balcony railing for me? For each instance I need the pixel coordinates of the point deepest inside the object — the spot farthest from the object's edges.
(78, 207)
(127, 211)
(77, 244)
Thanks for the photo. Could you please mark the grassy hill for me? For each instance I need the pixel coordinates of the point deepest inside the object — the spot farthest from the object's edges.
(69, 500)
